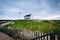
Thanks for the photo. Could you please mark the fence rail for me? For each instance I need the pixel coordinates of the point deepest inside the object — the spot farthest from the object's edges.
(46, 36)
(29, 35)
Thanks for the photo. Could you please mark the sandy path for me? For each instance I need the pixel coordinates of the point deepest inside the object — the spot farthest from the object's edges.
(5, 37)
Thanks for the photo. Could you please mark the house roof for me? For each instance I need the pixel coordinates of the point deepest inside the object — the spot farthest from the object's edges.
(27, 15)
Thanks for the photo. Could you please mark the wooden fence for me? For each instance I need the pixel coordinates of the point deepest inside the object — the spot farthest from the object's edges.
(29, 35)
(45, 36)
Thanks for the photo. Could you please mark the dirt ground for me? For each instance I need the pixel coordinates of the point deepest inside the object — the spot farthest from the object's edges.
(5, 37)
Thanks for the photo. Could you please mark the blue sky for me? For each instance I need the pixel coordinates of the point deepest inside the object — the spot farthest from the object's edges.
(40, 9)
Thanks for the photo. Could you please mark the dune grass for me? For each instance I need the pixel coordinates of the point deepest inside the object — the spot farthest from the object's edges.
(35, 25)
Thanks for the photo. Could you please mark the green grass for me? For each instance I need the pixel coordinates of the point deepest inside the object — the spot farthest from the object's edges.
(36, 25)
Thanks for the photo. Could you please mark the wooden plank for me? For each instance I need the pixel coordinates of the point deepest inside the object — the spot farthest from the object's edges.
(40, 36)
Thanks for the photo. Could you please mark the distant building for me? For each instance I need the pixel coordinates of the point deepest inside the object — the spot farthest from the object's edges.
(27, 17)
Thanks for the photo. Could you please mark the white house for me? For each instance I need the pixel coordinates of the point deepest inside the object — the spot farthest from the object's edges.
(27, 17)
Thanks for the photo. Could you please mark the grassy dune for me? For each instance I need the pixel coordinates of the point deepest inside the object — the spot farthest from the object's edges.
(36, 25)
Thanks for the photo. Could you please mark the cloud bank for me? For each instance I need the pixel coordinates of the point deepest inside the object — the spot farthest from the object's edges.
(40, 9)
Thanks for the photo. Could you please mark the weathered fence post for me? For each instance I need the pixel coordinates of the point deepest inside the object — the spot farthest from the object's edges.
(52, 36)
(58, 36)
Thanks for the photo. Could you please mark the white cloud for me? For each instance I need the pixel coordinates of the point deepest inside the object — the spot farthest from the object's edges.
(10, 18)
(54, 17)
(10, 10)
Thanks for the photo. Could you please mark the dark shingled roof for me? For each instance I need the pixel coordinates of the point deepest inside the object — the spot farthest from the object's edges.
(28, 15)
